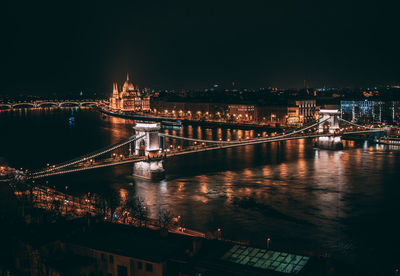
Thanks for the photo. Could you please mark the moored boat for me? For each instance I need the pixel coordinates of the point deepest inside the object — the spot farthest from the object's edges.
(171, 123)
(388, 140)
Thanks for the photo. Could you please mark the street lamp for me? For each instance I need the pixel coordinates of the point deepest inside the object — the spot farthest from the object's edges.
(268, 242)
(219, 233)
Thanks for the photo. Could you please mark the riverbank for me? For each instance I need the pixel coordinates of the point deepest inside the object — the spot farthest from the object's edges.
(50, 225)
(204, 123)
(64, 205)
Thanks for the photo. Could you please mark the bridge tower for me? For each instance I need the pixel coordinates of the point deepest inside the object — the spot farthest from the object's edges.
(329, 124)
(149, 146)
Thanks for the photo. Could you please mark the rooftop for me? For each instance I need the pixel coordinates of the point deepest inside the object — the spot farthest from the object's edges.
(266, 259)
(134, 242)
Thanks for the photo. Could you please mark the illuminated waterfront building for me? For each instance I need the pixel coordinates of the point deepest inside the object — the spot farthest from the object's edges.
(130, 98)
(302, 111)
(367, 111)
(287, 113)
(242, 112)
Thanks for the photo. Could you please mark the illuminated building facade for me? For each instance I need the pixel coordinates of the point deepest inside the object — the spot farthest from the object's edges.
(292, 114)
(367, 111)
(130, 98)
(302, 111)
(242, 112)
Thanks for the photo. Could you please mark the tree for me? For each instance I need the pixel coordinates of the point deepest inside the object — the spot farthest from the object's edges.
(137, 210)
(56, 207)
(142, 212)
(100, 205)
(165, 217)
(113, 202)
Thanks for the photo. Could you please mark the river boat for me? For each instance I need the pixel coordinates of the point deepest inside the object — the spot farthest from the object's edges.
(174, 124)
(388, 140)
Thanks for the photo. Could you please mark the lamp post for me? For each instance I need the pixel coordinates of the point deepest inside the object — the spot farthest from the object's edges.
(268, 242)
(66, 201)
(219, 232)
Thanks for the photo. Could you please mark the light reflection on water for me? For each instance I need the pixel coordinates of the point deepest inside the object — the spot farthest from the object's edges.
(300, 197)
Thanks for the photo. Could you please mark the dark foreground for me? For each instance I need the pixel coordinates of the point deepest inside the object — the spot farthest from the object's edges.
(35, 242)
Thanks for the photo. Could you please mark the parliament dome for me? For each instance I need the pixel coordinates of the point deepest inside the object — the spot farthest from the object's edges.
(128, 85)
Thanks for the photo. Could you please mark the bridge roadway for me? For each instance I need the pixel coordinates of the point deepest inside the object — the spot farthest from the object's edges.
(192, 149)
(261, 141)
(55, 169)
(95, 165)
(91, 155)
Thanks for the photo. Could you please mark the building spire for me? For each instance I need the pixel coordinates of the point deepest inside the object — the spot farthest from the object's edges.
(127, 76)
(115, 89)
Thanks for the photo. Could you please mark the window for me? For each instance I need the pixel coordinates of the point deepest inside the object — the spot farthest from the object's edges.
(122, 270)
(111, 259)
(139, 265)
(149, 267)
(103, 257)
(132, 267)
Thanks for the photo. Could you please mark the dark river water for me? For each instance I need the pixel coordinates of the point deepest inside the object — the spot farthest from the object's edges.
(341, 202)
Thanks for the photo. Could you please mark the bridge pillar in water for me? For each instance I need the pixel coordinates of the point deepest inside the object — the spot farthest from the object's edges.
(329, 124)
(149, 146)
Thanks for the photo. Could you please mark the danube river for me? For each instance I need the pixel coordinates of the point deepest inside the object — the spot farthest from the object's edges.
(340, 202)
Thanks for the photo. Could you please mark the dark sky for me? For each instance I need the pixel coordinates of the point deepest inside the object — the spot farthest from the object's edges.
(66, 46)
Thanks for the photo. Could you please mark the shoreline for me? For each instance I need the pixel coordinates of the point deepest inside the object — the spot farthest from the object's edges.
(189, 122)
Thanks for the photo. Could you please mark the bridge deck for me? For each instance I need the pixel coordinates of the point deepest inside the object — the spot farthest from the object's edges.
(80, 166)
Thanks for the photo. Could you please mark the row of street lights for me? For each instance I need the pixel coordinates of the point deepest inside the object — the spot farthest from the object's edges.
(219, 237)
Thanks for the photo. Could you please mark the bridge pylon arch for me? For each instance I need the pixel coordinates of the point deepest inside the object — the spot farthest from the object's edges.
(329, 124)
(329, 120)
(149, 146)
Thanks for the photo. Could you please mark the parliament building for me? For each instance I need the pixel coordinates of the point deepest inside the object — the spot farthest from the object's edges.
(129, 98)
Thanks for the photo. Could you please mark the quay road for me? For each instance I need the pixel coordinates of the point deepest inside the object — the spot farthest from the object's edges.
(66, 205)
(209, 123)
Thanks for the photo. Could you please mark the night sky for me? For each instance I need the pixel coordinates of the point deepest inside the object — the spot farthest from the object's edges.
(59, 46)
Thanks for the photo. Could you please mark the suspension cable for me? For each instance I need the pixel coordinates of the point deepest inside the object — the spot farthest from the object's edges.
(317, 122)
(90, 155)
(354, 124)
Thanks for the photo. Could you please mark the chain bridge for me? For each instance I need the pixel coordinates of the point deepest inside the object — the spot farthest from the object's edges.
(148, 148)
